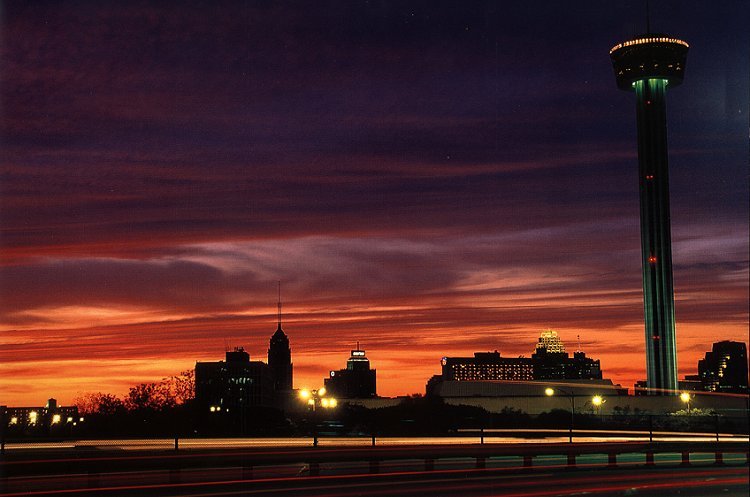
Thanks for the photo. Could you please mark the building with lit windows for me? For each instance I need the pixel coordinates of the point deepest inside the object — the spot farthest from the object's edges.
(39, 418)
(724, 368)
(237, 382)
(487, 366)
(550, 342)
(551, 362)
(647, 65)
(233, 384)
(357, 381)
(548, 362)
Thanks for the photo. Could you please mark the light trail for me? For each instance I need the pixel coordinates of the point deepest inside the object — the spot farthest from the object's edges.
(440, 480)
(235, 443)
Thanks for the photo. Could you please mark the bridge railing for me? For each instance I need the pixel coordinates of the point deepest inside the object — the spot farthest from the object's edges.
(483, 428)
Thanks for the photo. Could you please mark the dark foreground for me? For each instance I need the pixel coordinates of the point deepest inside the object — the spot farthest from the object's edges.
(632, 469)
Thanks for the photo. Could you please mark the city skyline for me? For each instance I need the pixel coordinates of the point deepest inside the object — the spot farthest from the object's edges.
(427, 179)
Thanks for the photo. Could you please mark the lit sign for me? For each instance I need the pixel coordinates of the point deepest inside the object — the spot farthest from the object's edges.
(333, 373)
(358, 353)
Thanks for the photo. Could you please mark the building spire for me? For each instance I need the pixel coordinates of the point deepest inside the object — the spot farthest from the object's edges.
(278, 307)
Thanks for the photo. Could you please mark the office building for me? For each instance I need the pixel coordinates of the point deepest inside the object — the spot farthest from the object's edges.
(550, 342)
(487, 366)
(552, 362)
(233, 384)
(548, 362)
(357, 381)
(724, 368)
(48, 417)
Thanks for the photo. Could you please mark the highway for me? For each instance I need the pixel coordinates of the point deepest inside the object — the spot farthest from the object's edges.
(399, 479)
(435, 466)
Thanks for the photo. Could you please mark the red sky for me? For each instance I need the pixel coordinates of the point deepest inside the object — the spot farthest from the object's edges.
(428, 179)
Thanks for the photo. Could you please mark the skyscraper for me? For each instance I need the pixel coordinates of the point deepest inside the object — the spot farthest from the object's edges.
(280, 356)
(357, 381)
(233, 384)
(550, 341)
(648, 65)
(724, 369)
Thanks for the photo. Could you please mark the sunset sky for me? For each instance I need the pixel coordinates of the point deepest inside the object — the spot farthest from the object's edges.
(428, 178)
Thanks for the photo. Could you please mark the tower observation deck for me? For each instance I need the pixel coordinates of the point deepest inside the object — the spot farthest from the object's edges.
(648, 65)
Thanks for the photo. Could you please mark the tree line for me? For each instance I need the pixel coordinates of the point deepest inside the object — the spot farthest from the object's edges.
(166, 394)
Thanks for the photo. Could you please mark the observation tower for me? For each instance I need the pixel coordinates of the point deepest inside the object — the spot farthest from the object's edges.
(648, 65)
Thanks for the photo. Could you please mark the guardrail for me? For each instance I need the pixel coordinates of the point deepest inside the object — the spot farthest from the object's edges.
(464, 435)
(29, 463)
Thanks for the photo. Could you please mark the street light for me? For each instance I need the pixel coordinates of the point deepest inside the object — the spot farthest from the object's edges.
(685, 397)
(315, 399)
(549, 392)
(597, 401)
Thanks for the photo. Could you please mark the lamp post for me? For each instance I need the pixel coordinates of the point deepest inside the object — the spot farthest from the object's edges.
(597, 401)
(685, 397)
(549, 392)
(315, 399)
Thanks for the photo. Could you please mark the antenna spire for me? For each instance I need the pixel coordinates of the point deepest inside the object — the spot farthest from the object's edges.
(279, 305)
(579, 342)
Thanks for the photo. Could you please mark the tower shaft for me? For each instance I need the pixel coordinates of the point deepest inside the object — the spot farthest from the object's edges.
(656, 242)
(646, 65)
